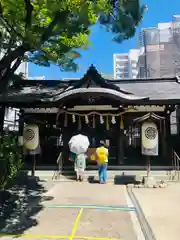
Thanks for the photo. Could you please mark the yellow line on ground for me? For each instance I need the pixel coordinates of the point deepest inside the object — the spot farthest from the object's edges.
(57, 237)
(74, 230)
(34, 236)
(94, 238)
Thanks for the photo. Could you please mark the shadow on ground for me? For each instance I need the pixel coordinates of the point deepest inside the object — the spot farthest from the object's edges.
(118, 179)
(70, 175)
(16, 212)
(93, 179)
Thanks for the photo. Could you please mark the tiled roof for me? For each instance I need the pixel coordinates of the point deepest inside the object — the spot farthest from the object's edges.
(165, 91)
(155, 90)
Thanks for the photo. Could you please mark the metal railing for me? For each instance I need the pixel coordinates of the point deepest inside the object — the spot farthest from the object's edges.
(175, 165)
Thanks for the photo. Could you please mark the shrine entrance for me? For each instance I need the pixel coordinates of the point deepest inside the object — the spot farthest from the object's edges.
(101, 109)
(97, 127)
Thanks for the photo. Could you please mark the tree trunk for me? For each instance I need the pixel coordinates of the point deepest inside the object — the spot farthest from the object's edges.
(2, 114)
(5, 65)
(6, 72)
(13, 55)
(5, 79)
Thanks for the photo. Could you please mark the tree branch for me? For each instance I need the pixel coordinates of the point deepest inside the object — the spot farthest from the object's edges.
(29, 10)
(1, 11)
(13, 55)
(4, 82)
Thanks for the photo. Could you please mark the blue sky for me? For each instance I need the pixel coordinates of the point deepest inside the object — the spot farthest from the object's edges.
(100, 53)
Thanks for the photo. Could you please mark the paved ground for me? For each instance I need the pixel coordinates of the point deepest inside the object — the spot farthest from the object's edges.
(161, 209)
(83, 211)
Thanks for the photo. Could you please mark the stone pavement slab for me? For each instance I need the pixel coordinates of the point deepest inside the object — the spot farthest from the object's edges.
(57, 221)
(161, 209)
(106, 224)
(54, 222)
(85, 193)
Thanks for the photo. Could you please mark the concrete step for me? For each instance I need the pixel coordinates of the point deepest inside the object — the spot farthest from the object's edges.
(110, 172)
(113, 175)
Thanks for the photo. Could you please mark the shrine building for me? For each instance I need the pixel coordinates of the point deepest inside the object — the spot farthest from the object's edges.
(102, 109)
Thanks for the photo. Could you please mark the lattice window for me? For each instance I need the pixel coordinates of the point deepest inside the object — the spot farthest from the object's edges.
(134, 135)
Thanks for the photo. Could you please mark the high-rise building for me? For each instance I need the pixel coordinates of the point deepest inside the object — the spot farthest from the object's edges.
(126, 64)
(121, 66)
(133, 57)
(161, 45)
(176, 42)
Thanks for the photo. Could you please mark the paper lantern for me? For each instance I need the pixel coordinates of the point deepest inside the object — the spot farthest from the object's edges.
(31, 136)
(101, 119)
(149, 138)
(73, 118)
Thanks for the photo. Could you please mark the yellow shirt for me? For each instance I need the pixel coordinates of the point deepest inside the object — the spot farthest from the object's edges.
(102, 155)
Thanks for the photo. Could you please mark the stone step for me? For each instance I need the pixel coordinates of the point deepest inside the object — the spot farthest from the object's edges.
(124, 176)
(94, 179)
(110, 172)
(110, 168)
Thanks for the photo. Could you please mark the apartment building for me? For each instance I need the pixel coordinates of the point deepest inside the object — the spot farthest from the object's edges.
(121, 66)
(126, 64)
(161, 47)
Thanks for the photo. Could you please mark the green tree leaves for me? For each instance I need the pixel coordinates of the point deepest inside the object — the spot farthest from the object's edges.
(10, 159)
(59, 28)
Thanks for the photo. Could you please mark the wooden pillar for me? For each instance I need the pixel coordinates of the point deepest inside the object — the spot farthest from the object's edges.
(120, 148)
(168, 141)
(21, 122)
(2, 115)
(65, 148)
(163, 140)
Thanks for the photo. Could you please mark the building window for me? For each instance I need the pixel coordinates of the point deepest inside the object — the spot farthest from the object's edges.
(141, 72)
(126, 75)
(134, 136)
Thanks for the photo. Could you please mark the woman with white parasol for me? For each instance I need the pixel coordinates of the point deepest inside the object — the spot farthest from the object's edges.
(79, 144)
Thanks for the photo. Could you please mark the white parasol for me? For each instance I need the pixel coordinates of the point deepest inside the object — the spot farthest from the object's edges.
(79, 144)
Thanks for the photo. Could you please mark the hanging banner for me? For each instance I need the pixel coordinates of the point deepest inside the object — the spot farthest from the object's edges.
(31, 136)
(149, 139)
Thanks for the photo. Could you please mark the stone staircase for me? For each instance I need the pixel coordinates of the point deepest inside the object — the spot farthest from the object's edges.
(116, 176)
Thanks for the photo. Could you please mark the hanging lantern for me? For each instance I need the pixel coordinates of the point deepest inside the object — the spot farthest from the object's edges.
(79, 123)
(65, 120)
(94, 123)
(73, 118)
(149, 139)
(31, 136)
(86, 119)
(101, 119)
(121, 123)
(107, 123)
(113, 120)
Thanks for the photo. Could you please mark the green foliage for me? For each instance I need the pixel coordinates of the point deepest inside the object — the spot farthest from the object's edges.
(52, 31)
(123, 20)
(10, 159)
